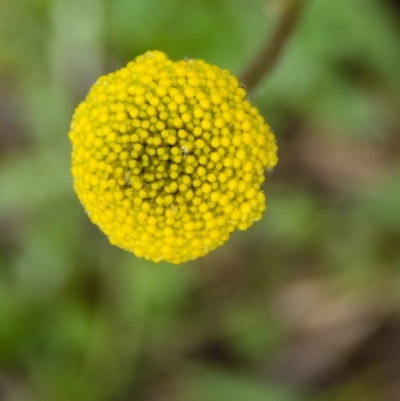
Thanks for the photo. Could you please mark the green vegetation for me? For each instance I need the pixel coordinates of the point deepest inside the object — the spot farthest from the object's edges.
(302, 306)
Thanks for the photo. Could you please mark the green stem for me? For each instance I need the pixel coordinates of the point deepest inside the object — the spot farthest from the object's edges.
(269, 54)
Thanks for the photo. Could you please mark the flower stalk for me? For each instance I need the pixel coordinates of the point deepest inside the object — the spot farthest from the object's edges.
(269, 54)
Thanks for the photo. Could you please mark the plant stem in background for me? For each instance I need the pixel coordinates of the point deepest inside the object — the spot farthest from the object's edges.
(268, 56)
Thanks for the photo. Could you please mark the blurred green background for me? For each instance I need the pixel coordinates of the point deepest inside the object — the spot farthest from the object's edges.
(303, 306)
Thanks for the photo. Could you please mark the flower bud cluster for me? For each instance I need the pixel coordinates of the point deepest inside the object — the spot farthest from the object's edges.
(169, 157)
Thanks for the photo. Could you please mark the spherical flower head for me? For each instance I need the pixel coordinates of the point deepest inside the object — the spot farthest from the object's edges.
(169, 157)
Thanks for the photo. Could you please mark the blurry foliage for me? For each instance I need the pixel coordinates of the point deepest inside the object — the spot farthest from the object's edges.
(82, 320)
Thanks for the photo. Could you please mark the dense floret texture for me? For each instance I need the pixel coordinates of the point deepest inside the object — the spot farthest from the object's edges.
(169, 157)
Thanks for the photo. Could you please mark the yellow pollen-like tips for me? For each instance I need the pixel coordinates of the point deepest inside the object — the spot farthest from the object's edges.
(168, 157)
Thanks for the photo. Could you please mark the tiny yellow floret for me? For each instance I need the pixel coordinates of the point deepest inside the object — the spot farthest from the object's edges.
(168, 157)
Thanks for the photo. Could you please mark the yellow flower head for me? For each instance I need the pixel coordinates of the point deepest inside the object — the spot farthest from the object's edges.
(169, 157)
